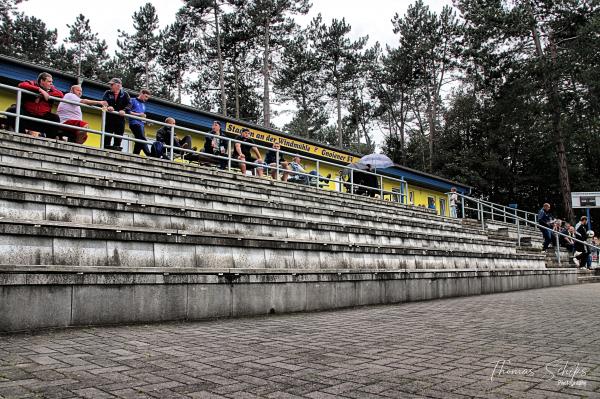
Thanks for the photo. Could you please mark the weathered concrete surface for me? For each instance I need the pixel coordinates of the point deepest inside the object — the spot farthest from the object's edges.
(31, 300)
(528, 344)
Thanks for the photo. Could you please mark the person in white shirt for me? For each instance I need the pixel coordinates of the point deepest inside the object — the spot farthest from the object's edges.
(70, 114)
(453, 202)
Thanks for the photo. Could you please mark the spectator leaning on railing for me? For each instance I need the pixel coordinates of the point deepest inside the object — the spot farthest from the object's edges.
(545, 219)
(118, 100)
(138, 108)
(39, 106)
(70, 114)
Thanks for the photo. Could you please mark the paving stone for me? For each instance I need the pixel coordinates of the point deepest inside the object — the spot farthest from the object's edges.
(437, 349)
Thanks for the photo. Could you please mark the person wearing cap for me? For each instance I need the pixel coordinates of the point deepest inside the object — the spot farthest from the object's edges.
(138, 108)
(215, 145)
(248, 154)
(70, 114)
(39, 105)
(118, 101)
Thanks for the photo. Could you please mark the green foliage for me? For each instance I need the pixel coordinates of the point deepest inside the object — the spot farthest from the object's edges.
(138, 51)
(86, 50)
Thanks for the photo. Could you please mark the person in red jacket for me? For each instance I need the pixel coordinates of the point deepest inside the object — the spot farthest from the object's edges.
(39, 105)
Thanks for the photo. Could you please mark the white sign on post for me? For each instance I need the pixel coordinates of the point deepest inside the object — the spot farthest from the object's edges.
(585, 199)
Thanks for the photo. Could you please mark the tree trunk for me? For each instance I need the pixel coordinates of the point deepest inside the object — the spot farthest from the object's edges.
(339, 113)
(266, 99)
(237, 92)
(220, 56)
(555, 110)
(431, 110)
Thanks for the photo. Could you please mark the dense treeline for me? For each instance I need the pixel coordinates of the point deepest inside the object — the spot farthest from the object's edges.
(501, 95)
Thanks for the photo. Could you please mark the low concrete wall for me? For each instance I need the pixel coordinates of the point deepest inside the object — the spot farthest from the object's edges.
(35, 299)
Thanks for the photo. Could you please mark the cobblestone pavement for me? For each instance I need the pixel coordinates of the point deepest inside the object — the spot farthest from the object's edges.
(532, 344)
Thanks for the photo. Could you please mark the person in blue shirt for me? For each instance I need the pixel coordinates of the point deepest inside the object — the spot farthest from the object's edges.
(545, 219)
(138, 108)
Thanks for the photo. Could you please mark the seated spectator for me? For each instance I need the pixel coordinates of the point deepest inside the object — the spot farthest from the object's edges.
(39, 105)
(164, 136)
(271, 163)
(248, 152)
(215, 145)
(568, 242)
(70, 114)
(313, 177)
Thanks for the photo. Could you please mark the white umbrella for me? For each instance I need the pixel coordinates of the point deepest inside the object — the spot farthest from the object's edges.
(376, 161)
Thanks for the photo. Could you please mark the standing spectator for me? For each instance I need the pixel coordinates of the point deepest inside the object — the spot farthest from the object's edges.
(118, 100)
(581, 250)
(39, 106)
(70, 114)
(138, 108)
(271, 161)
(216, 145)
(248, 152)
(545, 220)
(453, 202)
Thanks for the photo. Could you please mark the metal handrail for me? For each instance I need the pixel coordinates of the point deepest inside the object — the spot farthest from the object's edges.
(519, 219)
(229, 158)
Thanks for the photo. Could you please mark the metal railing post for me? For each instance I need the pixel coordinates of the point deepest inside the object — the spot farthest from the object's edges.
(482, 216)
(103, 128)
(171, 156)
(351, 181)
(276, 165)
(229, 155)
(504, 211)
(557, 248)
(18, 111)
(518, 233)
(319, 175)
(381, 186)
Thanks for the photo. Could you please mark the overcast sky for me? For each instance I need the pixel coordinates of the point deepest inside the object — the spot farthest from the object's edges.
(371, 17)
(366, 17)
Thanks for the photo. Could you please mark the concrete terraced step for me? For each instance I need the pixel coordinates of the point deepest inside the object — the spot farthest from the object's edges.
(64, 157)
(73, 183)
(56, 243)
(32, 205)
(202, 186)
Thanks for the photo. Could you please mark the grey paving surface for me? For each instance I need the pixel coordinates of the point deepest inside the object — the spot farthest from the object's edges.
(533, 344)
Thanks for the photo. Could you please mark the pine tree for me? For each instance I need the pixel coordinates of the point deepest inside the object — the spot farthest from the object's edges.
(33, 41)
(431, 42)
(300, 79)
(272, 23)
(203, 17)
(138, 51)
(89, 52)
(341, 59)
(174, 58)
(8, 13)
